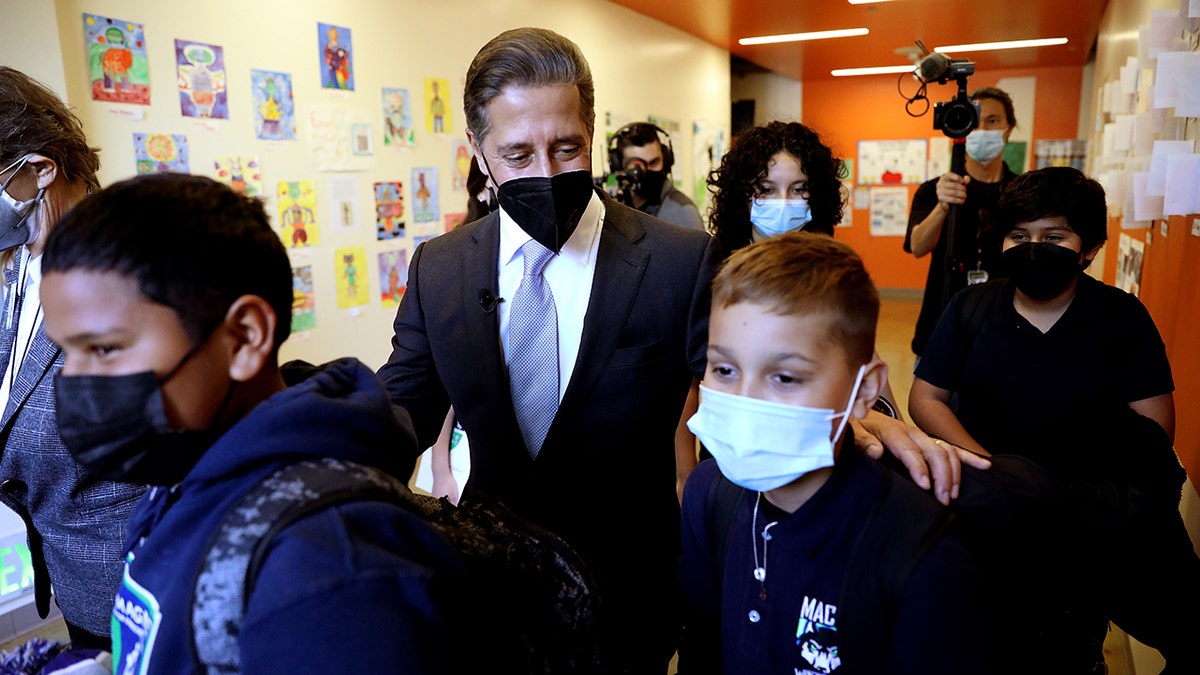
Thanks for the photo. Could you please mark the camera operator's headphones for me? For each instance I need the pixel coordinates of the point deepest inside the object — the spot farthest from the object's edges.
(616, 160)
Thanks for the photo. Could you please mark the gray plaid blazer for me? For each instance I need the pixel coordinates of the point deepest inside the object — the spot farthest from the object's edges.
(75, 524)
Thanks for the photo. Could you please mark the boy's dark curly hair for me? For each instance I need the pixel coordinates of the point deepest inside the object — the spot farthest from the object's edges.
(735, 182)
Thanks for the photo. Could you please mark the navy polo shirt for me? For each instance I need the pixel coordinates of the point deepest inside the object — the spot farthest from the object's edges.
(1017, 385)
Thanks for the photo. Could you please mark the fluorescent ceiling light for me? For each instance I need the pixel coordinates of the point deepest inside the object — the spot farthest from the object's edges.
(1011, 44)
(799, 37)
(878, 70)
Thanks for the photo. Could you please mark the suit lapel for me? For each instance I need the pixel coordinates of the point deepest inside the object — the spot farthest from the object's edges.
(41, 355)
(620, 266)
(480, 271)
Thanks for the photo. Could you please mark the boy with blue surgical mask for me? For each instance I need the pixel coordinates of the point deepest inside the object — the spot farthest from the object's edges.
(816, 559)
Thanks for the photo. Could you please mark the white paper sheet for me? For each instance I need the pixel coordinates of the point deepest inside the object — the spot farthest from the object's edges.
(1182, 189)
(1156, 182)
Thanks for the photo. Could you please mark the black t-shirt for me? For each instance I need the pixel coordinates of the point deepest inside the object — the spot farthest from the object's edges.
(1016, 386)
(973, 247)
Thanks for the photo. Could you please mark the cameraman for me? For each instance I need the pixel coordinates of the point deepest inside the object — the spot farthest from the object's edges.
(643, 166)
(976, 193)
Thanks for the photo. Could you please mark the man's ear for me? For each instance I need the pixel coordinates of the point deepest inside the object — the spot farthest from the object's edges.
(873, 381)
(44, 169)
(250, 323)
(477, 150)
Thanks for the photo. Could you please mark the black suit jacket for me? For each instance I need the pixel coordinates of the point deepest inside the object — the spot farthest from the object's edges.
(604, 479)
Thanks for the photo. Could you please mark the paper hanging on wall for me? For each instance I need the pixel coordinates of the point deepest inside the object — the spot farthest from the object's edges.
(389, 210)
(1146, 207)
(1182, 186)
(889, 211)
(900, 162)
(201, 82)
(1156, 182)
(343, 202)
(337, 56)
(297, 204)
(352, 283)
(330, 132)
(1173, 70)
(360, 140)
(274, 108)
(708, 146)
(461, 158)
(240, 172)
(393, 277)
(304, 299)
(437, 109)
(425, 194)
(453, 220)
(1130, 253)
(397, 118)
(160, 153)
(117, 64)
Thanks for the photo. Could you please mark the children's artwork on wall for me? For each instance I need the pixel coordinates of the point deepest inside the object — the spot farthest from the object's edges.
(337, 57)
(274, 109)
(117, 65)
(397, 119)
(708, 146)
(899, 162)
(352, 284)
(201, 81)
(160, 153)
(425, 194)
(393, 277)
(240, 172)
(304, 300)
(343, 201)
(462, 164)
(389, 210)
(330, 131)
(297, 203)
(417, 241)
(360, 139)
(453, 220)
(437, 109)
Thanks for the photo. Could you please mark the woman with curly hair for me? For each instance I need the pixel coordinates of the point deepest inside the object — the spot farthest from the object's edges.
(776, 178)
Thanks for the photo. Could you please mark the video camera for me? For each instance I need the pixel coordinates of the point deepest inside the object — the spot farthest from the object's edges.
(958, 117)
(621, 184)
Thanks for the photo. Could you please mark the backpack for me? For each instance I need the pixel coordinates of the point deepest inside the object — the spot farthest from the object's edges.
(901, 526)
(529, 578)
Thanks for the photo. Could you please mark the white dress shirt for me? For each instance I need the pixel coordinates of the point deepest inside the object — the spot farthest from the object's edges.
(27, 323)
(569, 274)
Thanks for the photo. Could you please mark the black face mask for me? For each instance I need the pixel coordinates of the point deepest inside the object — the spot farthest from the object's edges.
(1042, 270)
(650, 185)
(548, 209)
(116, 428)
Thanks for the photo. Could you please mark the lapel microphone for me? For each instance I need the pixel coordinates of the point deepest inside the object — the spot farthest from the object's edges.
(488, 301)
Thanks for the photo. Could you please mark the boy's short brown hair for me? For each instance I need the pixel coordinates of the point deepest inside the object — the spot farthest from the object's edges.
(805, 273)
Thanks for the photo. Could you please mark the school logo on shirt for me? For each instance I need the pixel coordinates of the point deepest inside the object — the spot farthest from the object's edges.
(816, 638)
(135, 621)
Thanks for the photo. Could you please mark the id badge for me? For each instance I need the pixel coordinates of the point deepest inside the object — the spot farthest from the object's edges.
(976, 277)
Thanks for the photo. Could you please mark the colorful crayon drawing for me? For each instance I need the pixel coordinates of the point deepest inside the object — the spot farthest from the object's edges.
(274, 109)
(389, 210)
(352, 284)
(462, 164)
(117, 64)
(397, 119)
(160, 153)
(240, 172)
(393, 277)
(453, 220)
(337, 53)
(425, 194)
(437, 108)
(297, 202)
(304, 299)
(201, 80)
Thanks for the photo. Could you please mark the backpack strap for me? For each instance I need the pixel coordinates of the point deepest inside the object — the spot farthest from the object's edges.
(236, 549)
(902, 525)
(973, 313)
(724, 498)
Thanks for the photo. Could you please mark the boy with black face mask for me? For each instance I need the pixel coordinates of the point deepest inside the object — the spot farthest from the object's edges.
(1056, 366)
(170, 296)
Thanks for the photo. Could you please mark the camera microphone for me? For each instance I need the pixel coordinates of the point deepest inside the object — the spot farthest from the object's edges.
(488, 300)
(933, 67)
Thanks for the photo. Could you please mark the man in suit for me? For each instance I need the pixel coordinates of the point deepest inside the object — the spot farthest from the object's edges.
(620, 340)
(75, 522)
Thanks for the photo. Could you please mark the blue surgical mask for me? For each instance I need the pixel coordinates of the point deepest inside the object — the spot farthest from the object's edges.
(984, 145)
(776, 216)
(761, 445)
(16, 221)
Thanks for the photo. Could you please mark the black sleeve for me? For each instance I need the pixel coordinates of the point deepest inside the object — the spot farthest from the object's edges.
(924, 201)
(1145, 369)
(701, 305)
(942, 362)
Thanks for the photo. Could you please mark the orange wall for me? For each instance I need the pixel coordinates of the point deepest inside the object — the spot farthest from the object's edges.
(846, 110)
